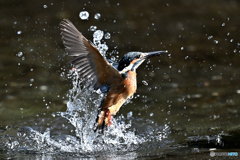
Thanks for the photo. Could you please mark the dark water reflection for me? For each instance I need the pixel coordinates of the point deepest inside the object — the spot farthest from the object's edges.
(195, 91)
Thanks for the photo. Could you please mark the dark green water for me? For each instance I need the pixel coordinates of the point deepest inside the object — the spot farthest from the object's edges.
(195, 91)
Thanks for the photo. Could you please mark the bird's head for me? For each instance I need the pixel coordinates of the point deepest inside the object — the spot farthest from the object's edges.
(132, 60)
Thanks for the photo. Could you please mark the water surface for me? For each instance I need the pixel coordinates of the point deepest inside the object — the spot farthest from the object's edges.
(187, 103)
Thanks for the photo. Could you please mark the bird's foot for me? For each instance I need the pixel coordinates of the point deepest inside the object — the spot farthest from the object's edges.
(109, 118)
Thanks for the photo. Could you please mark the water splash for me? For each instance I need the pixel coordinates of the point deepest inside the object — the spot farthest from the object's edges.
(81, 113)
(125, 135)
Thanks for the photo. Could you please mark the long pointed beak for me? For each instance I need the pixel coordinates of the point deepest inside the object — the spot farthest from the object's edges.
(154, 53)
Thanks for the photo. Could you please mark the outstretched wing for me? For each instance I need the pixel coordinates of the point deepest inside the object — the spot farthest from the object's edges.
(91, 66)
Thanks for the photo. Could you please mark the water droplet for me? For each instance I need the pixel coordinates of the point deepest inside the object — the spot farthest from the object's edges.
(62, 74)
(144, 82)
(19, 32)
(93, 28)
(45, 6)
(182, 48)
(102, 48)
(223, 24)
(216, 41)
(31, 80)
(238, 91)
(151, 114)
(20, 54)
(130, 114)
(113, 58)
(210, 37)
(98, 35)
(97, 15)
(53, 115)
(43, 88)
(107, 35)
(96, 42)
(84, 15)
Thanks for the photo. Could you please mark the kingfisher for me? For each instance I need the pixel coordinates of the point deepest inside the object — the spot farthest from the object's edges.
(117, 84)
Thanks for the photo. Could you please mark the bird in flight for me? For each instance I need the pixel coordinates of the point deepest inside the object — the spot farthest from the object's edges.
(117, 84)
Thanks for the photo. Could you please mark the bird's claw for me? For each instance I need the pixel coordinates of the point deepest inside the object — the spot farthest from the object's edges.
(108, 118)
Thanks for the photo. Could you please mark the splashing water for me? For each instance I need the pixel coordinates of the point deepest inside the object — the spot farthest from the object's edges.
(81, 113)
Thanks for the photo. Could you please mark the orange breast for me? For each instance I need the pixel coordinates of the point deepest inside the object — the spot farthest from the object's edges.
(130, 83)
(119, 93)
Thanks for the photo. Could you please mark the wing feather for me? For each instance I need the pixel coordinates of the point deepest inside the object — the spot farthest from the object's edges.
(91, 66)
